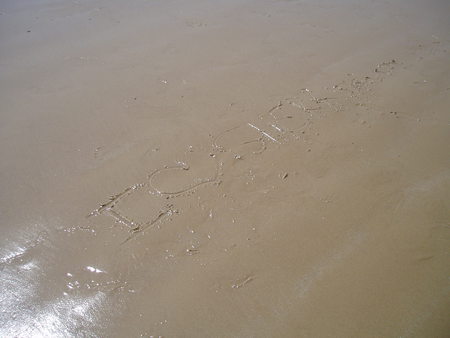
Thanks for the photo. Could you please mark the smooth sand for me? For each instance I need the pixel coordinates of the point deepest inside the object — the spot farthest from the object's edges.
(231, 168)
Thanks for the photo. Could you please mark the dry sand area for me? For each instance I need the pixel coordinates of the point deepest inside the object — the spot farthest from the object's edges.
(239, 168)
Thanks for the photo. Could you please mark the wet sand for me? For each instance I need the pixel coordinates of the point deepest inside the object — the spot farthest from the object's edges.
(224, 169)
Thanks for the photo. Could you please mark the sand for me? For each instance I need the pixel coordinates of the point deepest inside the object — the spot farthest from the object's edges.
(231, 168)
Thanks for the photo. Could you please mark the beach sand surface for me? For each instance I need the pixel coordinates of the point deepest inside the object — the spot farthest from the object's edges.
(238, 168)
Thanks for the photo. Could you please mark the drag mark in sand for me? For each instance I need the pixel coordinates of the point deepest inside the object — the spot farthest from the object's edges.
(300, 111)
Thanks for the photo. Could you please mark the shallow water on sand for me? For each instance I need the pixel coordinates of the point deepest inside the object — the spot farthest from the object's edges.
(240, 168)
